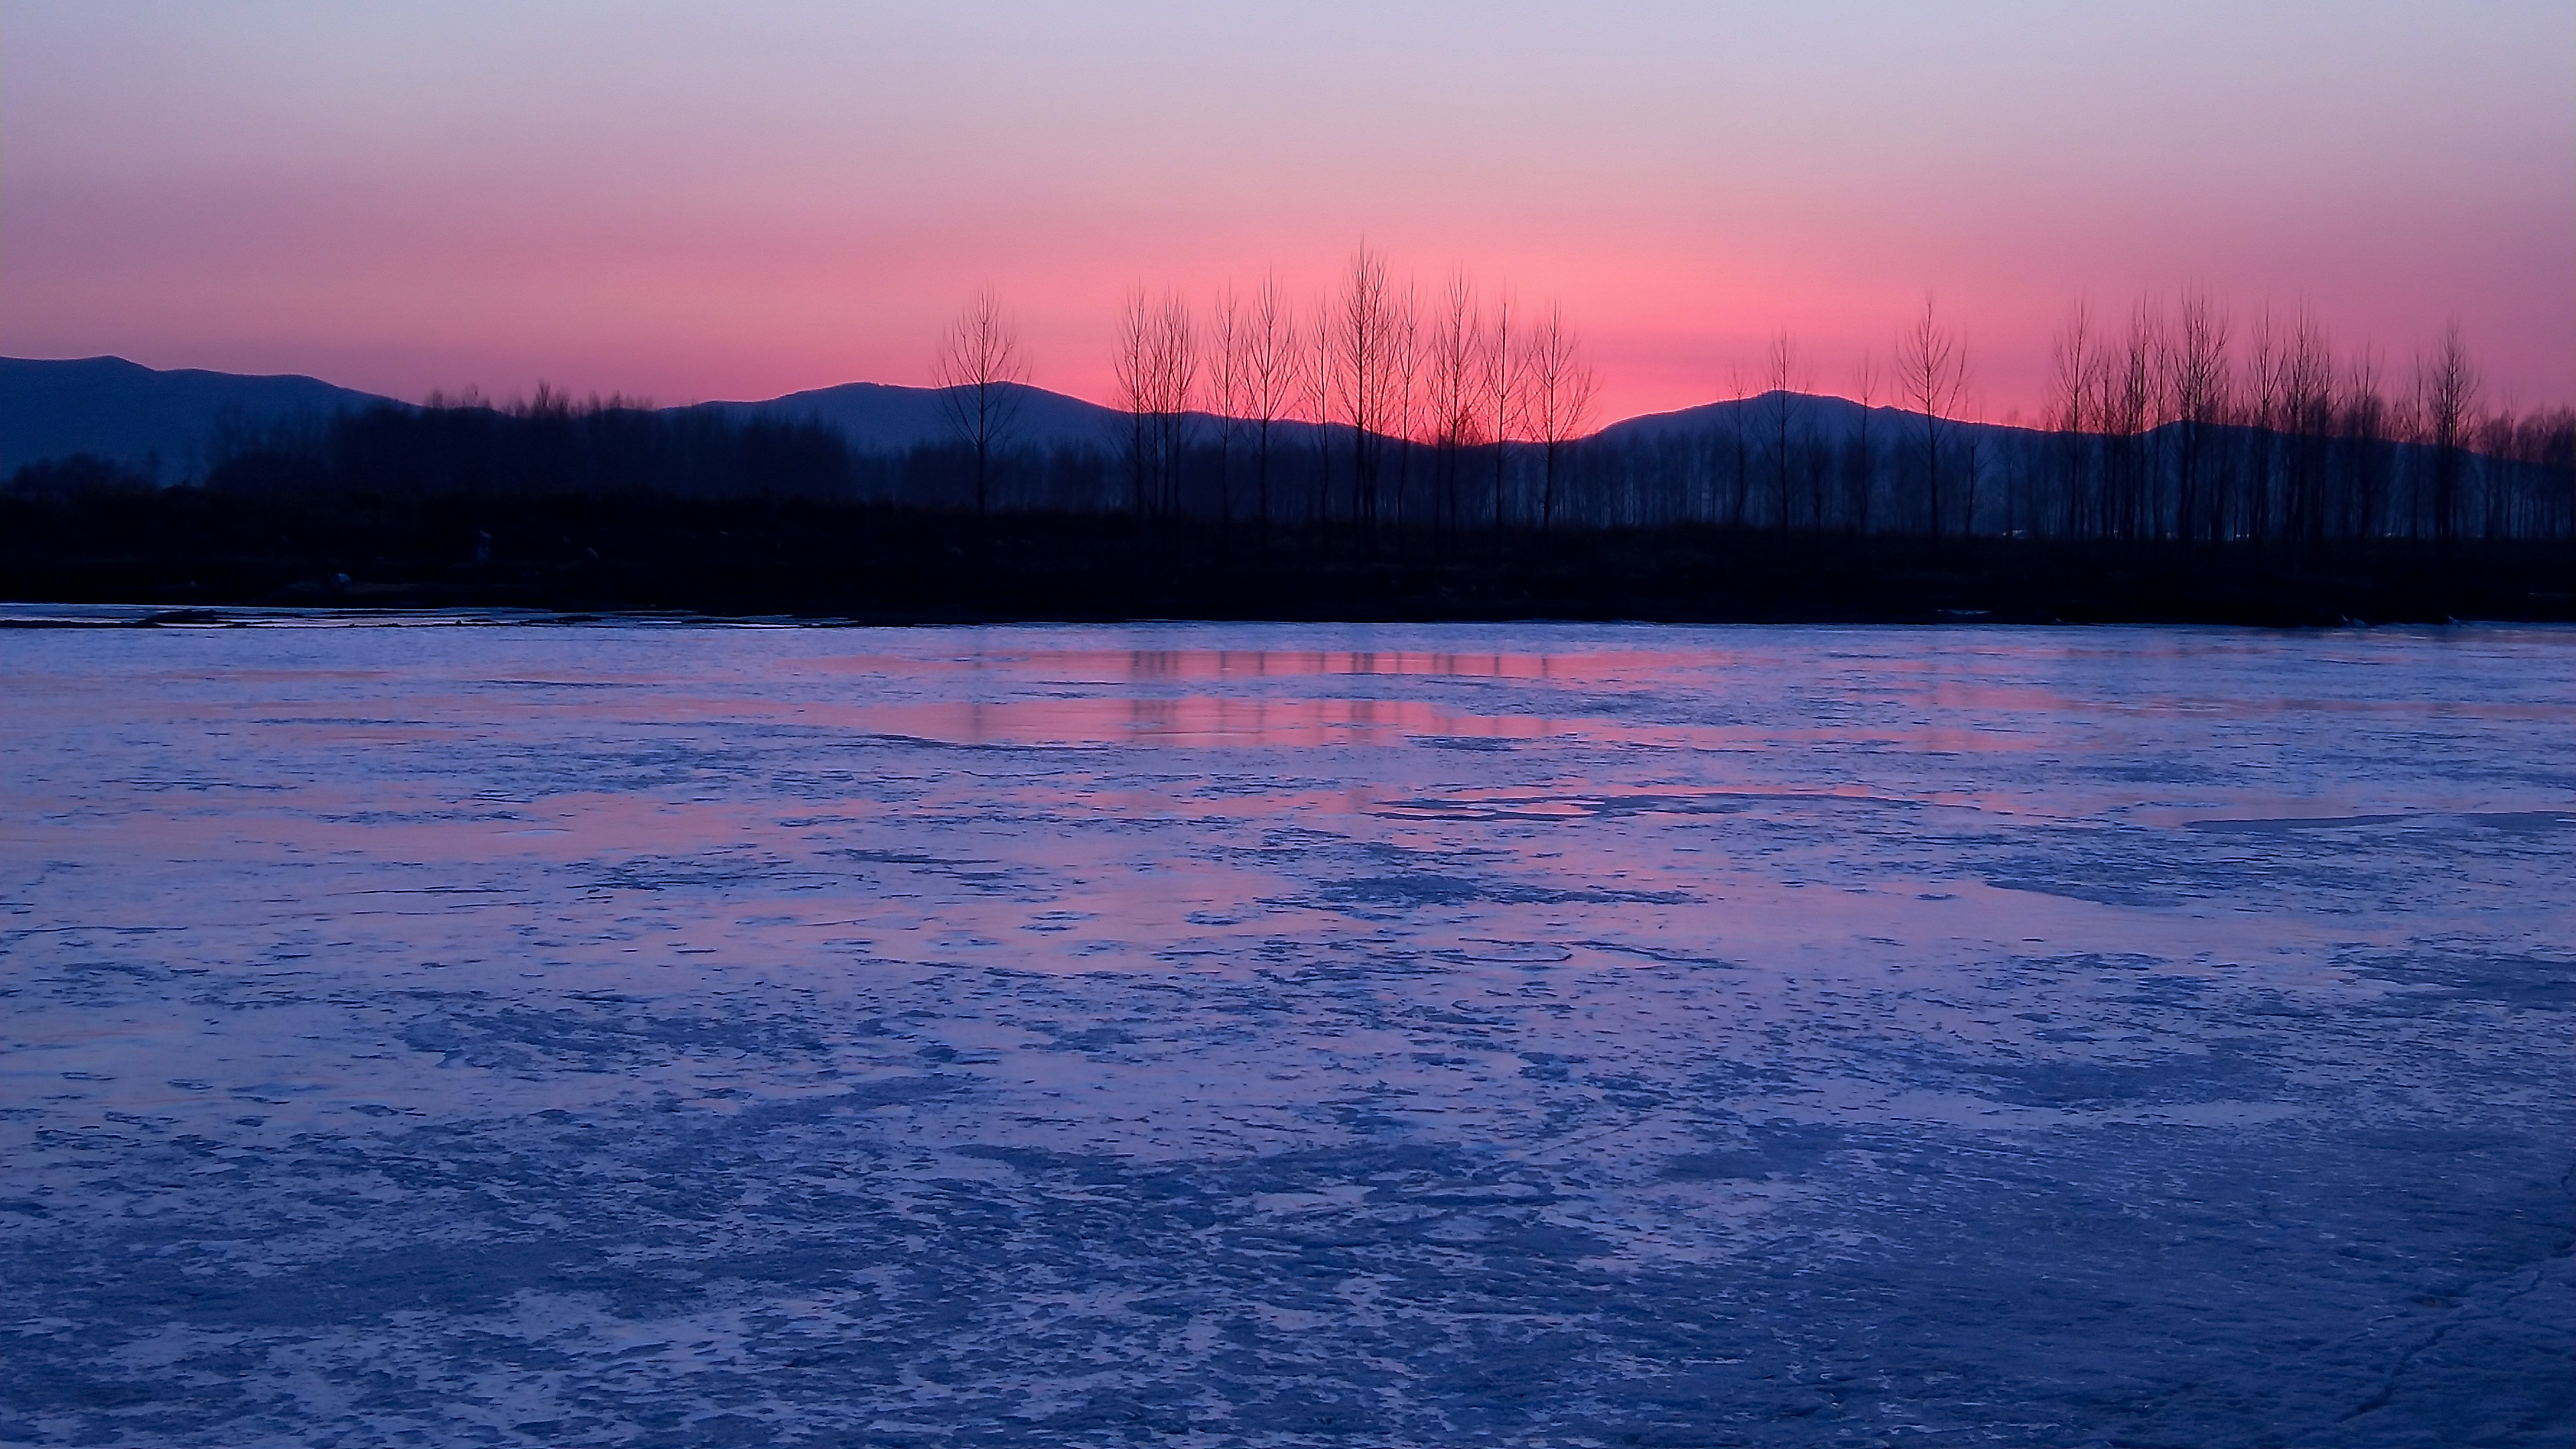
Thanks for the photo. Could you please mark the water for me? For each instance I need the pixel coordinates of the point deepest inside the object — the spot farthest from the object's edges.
(624, 1034)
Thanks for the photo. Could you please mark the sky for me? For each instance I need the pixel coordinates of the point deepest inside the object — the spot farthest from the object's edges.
(691, 201)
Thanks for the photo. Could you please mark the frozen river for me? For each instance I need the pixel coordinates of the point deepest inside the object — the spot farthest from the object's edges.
(1552, 1035)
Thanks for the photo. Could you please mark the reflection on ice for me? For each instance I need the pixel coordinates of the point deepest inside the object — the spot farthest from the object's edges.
(620, 1033)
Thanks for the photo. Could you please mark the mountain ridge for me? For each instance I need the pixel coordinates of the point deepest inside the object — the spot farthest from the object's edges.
(164, 423)
(158, 422)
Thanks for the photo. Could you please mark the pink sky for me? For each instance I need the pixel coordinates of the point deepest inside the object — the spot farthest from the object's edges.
(689, 202)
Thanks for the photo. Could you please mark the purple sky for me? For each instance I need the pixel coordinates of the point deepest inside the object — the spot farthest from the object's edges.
(693, 201)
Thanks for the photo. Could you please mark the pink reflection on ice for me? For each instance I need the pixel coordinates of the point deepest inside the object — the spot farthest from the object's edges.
(1144, 666)
(1198, 720)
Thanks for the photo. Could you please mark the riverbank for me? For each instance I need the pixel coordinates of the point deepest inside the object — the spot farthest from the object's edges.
(880, 564)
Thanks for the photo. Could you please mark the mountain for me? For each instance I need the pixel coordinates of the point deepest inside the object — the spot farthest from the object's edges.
(157, 423)
(881, 418)
(1829, 419)
(163, 423)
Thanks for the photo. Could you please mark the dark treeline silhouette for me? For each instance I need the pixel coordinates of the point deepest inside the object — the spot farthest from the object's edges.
(552, 445)
(2283, 470)
(548, 444)
(1426, 419)
(1391, 453)
(105, 538)
(1379, 409)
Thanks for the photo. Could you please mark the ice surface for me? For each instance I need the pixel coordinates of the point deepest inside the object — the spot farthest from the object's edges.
(538, 1033)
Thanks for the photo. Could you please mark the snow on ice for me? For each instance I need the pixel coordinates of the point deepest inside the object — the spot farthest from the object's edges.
(535, 1032)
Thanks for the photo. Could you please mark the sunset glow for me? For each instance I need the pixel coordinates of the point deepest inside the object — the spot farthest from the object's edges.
(1438, 722)
(692, 202)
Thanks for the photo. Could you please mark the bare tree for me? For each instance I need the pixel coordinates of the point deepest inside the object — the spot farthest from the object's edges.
(1860, 464)
(2125, 405)
(1933, 368)
(1228, 366)
(2307, 417)
(1157, 373)
(1500, 385)
(1742, 474)
(1364, 346)
(2072, 365)
(2195, 359)
(978, 372)
(2258, 411)
(1560, 399)
(1455, 420)
(1138, 391)
(1317, 387)
(1176, 372)
(1405, 364)
(2446, 390)
(2364, 426)
(1270, 381)
(1780, 406)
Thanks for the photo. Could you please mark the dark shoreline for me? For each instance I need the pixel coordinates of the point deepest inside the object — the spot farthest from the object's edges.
(880, 564)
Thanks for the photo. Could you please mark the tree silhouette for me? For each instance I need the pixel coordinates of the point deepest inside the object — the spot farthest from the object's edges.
(1860, 464)
(2193, 359)
(1500, 378)
(1780, 404)
(1157, 371)
(978, 371)
(1364, 340)
(1560, 399)
(2073, 361)
(1228, 368)
(1405, 362)
(1933, 367)
(2231, 444)
(1317, 387)
(1270, 381)
(1175, 353)
(1138, 392)
(1455, 420)
(2446, 388)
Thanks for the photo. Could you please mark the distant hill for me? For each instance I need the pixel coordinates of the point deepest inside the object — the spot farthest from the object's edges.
(1829, 419)
(161, 423)
(881, 418)
(157, 423)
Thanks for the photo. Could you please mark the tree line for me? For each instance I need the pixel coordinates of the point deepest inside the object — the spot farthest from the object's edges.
(1393, 410)
(1389, 406)
(2192, 424)
(1380, 405)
